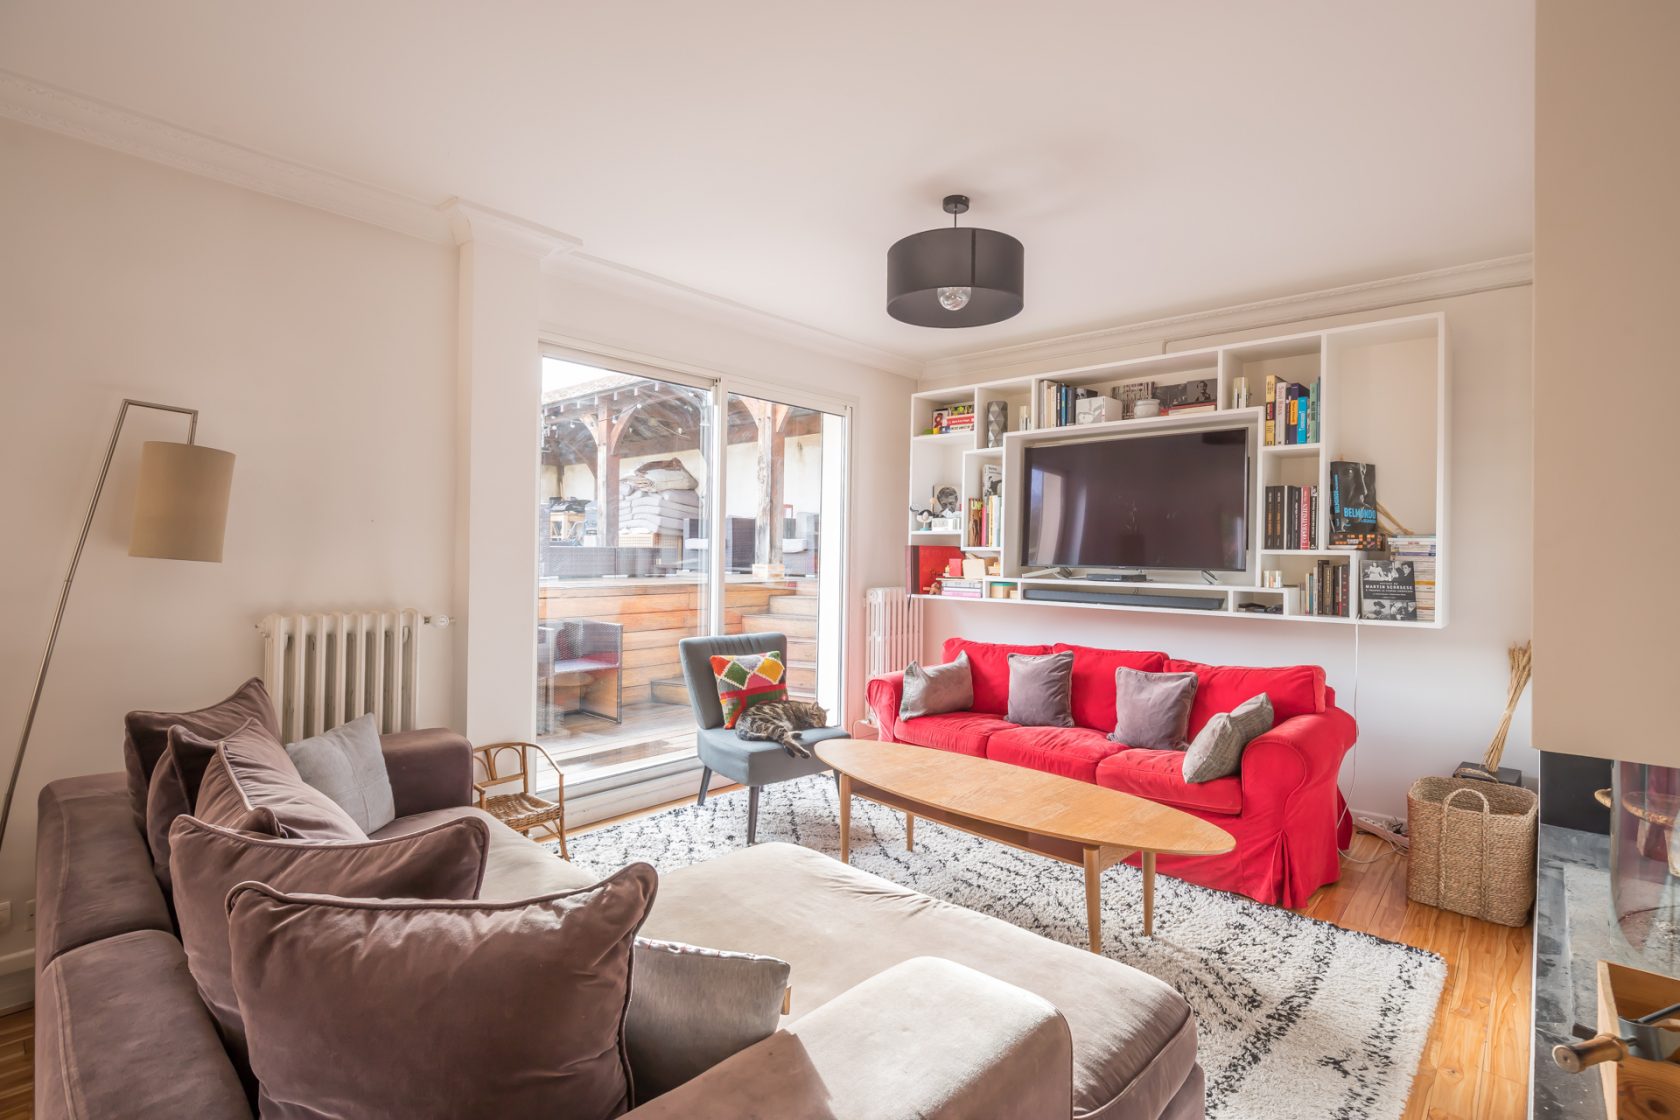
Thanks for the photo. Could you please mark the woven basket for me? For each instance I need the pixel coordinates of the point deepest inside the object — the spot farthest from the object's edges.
(1472, 848)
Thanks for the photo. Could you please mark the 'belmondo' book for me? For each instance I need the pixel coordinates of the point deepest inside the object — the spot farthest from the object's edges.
(1353, 499)
(1388, 591)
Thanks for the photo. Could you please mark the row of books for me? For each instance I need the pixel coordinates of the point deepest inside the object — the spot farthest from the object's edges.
(1291, 412)
(962, 588)
(1061, 403)
(985, 522)
(1328, 589)
(1418, 551)
(1291, 517)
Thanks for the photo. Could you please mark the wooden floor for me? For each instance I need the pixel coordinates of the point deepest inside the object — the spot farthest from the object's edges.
(1475, 1066)
(1476, 1062)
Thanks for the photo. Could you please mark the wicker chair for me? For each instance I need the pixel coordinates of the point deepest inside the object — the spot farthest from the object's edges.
(522, 811)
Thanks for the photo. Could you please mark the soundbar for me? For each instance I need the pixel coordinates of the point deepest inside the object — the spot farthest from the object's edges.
(1121, 599)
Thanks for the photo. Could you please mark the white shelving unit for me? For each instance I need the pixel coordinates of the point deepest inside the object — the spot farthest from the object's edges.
(1383, 391)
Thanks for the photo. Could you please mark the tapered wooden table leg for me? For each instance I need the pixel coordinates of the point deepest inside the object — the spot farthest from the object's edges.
(1093, 898)
(1149, 894)
(909, 832)
(845, 819)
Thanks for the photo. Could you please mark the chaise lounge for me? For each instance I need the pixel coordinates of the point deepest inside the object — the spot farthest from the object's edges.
(901, 1004)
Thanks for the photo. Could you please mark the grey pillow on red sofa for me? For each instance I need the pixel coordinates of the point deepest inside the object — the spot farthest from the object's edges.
(1218, 747)
(1152, 710)
(1041, 689)
(147, 734)
(206, 861)
(931, 690)
(472, 1008)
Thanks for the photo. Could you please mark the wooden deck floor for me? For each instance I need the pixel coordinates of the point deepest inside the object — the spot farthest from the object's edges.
(1475, 1066)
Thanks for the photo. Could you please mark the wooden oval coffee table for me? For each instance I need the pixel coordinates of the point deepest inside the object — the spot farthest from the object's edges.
(1047, 814)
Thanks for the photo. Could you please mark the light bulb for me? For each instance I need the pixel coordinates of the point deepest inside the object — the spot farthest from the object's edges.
(954, 299)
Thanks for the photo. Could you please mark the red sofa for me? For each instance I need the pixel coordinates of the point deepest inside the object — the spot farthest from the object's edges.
(1284, 808)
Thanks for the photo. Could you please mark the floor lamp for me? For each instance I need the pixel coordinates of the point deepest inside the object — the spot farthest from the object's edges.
(180, 512)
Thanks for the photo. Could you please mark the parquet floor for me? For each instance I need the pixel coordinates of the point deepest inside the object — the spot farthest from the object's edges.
(1475, 1066)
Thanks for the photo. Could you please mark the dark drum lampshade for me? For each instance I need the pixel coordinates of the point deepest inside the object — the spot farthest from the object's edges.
(955, 277)
(180, 508)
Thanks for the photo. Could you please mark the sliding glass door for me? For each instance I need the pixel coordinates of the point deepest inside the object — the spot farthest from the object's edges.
(671, 507)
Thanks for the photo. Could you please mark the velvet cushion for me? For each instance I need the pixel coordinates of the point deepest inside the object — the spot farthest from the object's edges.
(690, 1008)
(361, 1007)
(1218, 746)
(1295, 690)
(207, 861)
(147, 734)
(931, 690)
(988, 664)
(1152, 710)
(249, 772)
(1041, 689)
(348, 766)
(1093, 680)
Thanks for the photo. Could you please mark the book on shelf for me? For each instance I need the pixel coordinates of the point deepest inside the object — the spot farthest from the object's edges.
(1326, 590)
(1353, 505)
(1388, 591)
(1419, 551)
(962, 588)
(1189, 409)
(1291, 515)
(1270, 402)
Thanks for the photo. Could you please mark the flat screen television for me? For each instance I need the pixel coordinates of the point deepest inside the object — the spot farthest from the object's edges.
(1175, 500)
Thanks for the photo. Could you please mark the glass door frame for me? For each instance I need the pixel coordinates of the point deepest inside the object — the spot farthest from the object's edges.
(720, 386)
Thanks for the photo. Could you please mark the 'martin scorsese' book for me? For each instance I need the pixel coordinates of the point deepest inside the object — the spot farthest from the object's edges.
(1353, 503)
(1388, 591)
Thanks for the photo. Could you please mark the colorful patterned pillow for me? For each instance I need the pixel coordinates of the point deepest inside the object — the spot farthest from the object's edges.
(747, 679)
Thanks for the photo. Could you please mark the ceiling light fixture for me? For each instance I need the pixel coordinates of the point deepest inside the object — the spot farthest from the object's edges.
(954, 277)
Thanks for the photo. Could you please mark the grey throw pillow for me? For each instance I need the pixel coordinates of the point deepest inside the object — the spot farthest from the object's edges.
(931, 690)
(690, 1008)
(1217, 751)
(1152, 710)
(1041, 689)
(348, 766)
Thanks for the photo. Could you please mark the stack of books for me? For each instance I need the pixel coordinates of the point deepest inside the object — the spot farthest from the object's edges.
(952, 588)
(1291, 517)
(1327, 589)
(1419, 552)
(985, 522)
(956, 418)
(1291, 412)
(1060, 407)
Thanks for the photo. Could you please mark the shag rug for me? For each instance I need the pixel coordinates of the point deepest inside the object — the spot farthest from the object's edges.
(1296, 1017)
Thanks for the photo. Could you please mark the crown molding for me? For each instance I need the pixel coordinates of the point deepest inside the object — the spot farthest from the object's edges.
(679, 297)
(41, 105)
(470, 221)
(1155, 335)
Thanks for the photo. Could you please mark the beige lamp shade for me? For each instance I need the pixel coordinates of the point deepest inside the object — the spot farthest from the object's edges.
(180, 511)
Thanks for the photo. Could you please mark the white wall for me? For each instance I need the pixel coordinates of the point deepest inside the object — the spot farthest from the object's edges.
(1425, 700)
(580, 310)
(1606, 239)
(320, 351)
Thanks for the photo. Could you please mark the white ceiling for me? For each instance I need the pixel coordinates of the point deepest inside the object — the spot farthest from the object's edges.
(1154, 157)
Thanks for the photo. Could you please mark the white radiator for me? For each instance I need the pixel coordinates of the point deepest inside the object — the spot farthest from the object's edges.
(325, 669)
(895, 630)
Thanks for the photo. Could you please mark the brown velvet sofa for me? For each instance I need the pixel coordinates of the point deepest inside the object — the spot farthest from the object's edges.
(902, 1005)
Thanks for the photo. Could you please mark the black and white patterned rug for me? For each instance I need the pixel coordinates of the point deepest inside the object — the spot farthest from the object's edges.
(1296, 1017)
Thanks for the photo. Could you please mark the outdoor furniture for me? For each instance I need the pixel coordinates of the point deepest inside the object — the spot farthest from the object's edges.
(585, 654)
(524, 810)
(751, 764)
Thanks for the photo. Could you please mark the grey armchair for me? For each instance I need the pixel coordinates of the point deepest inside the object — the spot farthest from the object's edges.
(721, 750)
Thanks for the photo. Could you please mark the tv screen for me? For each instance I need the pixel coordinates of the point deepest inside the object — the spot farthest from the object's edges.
(1162, 501)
